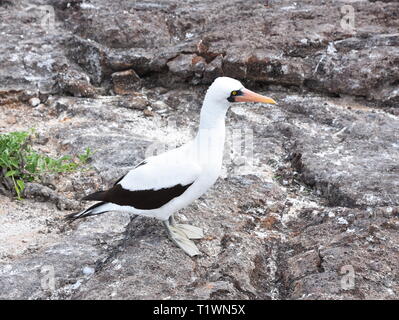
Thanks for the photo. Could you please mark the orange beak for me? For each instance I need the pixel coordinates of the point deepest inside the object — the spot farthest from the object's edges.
(250, 96)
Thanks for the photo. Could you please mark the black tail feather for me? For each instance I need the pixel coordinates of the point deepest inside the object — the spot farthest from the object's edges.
(85, 213)
(73, 216)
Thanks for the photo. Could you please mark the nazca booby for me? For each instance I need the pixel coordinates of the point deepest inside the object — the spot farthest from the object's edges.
(161, 185)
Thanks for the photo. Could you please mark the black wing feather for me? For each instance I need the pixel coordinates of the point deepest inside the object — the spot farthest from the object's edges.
(139, 199)
(96, 196)
(81, 214)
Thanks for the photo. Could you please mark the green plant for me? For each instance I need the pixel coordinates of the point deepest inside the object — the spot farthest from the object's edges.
(19, 163)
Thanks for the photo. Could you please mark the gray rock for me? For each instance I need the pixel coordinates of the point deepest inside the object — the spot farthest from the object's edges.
(76, 83)
(43, 193)
(125, 82)
(350, 158)
(52, 273)
(328, 59)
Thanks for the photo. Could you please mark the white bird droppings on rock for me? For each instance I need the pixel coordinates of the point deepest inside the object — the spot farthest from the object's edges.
(342, 220)
(88, 271)
(34, 102)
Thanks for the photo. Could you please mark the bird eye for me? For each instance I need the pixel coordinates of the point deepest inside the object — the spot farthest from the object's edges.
(234, 93)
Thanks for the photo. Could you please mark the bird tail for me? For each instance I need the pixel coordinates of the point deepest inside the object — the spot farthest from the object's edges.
(98, 208)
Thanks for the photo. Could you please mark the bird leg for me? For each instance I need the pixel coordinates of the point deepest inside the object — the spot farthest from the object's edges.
(180, 239)
(172, 220)
(190, 231)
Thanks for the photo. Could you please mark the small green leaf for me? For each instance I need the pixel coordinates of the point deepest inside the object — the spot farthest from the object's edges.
(21, 185)
(12, 173)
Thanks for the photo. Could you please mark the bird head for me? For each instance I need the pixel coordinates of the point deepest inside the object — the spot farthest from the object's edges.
(225, 89)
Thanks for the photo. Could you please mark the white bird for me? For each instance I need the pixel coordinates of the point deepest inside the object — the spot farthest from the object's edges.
(161, 185)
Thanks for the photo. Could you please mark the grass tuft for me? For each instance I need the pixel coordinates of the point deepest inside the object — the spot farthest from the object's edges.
(19, 163)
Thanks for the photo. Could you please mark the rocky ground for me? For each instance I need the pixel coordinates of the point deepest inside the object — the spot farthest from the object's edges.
(310, 212)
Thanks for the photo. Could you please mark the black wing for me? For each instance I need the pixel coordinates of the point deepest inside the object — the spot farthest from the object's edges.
(139, 199)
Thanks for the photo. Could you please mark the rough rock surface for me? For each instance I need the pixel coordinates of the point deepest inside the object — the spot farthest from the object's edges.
(195, 41)
(311, 212)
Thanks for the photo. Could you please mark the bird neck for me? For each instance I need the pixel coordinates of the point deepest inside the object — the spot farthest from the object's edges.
(209, 142)
(213, 114)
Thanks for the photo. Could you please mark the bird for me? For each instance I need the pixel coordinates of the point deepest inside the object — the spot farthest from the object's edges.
(161, 185)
